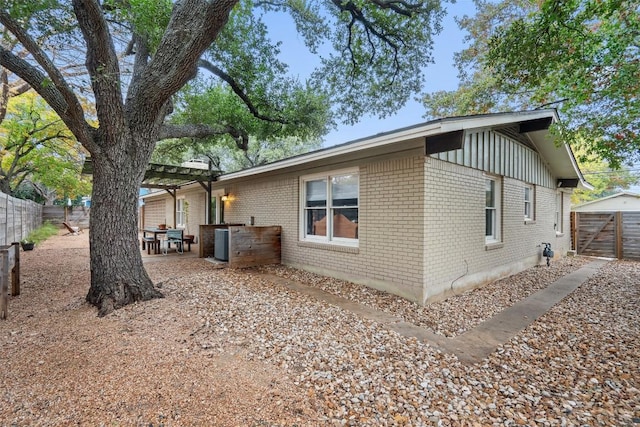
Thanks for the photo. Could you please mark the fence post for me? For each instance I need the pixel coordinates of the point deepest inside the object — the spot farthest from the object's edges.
(4, 286)
(15, 273)
(619, 247)
(6, 219)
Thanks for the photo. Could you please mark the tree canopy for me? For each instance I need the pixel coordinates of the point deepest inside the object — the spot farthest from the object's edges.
(581, 56)
(38, 149)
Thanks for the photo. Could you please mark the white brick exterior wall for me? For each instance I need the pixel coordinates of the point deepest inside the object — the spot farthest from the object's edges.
(456, 255)
(390, 221)
(421, 222)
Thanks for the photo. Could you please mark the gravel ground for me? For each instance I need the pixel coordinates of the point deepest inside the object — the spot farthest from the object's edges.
(228, 348)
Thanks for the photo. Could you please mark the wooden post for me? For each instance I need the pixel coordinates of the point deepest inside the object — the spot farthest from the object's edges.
(619, 248)
(15, 276)
(574, 230)
(4, 283)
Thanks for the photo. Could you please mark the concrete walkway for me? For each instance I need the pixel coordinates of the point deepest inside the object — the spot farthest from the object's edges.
(478, 343)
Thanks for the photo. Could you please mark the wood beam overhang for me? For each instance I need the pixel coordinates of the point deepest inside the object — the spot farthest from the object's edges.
(535, 125)
(168, 177)
(444, 142)
(567, 182)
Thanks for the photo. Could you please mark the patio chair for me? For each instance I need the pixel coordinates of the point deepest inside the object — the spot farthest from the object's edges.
(71, 229)
(174, 236)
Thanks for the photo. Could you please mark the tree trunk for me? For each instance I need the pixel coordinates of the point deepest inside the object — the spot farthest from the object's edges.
(118, 276)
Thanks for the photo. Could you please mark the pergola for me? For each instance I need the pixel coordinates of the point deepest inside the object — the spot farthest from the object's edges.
(171, 178)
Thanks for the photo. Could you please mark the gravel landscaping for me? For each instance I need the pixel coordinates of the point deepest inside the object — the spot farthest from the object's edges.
(230, 348)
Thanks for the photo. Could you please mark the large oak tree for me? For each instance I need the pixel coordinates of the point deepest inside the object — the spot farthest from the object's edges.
(372, 50)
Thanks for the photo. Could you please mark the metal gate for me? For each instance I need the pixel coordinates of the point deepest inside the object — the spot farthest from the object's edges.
(607, 234)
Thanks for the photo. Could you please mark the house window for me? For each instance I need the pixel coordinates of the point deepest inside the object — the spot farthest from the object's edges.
(559, 212)
(492, 210)
(180, 217)
(330, 208)
(529, 203)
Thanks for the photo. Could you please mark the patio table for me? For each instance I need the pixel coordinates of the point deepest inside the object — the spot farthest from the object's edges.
(155, 232)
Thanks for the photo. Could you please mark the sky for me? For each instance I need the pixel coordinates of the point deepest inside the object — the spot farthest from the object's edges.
(441, 75)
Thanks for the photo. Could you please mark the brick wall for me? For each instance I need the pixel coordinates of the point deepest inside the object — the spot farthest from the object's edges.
(154, 212)
(390, 221)
(421, 226)
(456, 254)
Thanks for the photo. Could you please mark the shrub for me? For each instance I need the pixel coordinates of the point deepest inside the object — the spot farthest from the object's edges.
(42, 233)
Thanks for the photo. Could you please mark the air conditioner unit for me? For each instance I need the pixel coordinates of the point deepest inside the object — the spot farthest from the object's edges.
(221, 244)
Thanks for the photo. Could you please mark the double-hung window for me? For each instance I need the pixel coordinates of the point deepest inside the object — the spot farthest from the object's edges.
(180, 216)
(493, 198)
(559, 213)
(330, 207)
(529, 197)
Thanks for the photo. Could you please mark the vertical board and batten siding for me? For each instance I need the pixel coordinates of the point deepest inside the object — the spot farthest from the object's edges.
(500, 155)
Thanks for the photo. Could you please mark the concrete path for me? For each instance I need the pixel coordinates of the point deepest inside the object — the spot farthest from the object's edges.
(478, 343)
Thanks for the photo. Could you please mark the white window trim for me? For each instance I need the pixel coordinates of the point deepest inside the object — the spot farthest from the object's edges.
(531, 201)
(559, 220)
(180, 213)
(497, 236)
(339, 241)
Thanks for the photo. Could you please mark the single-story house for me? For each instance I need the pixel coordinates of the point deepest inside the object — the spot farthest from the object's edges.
(420, 212)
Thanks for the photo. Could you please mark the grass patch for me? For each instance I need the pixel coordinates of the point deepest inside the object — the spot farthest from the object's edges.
(42, 233)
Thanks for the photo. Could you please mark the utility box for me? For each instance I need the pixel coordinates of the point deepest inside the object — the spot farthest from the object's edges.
(221, 244)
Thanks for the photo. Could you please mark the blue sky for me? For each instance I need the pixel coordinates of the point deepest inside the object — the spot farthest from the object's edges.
(441, 75)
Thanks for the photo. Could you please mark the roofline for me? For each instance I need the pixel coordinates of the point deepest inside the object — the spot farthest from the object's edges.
(583, 182)
(429, 128)
(613, 196)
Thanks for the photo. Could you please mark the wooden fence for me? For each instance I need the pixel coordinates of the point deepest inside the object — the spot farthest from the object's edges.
(607, 234)
(9, 271)
(75, 215)
(17, 218)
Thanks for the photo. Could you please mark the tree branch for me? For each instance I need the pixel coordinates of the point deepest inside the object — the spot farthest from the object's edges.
(239, 92)
(194, 25)
(369, 27)
(63, 98)
(204, 131)
(559, 101)
(102, 64)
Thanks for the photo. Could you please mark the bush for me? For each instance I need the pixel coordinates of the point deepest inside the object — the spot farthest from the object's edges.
(41, 234)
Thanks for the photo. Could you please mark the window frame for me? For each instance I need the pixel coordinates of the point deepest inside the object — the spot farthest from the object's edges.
(530, 213)
(328, 238)
(180, 214)
(559, 220)
(496, 236)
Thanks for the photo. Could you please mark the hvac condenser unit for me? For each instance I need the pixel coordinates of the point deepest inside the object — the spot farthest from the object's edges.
(221, 244)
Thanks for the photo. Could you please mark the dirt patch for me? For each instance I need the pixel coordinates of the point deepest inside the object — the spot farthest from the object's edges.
(62, 365)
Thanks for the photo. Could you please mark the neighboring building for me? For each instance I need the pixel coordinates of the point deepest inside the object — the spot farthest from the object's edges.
(623, 201)
(421, 211)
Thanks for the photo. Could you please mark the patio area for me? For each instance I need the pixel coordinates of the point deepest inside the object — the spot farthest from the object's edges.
(172, 252)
